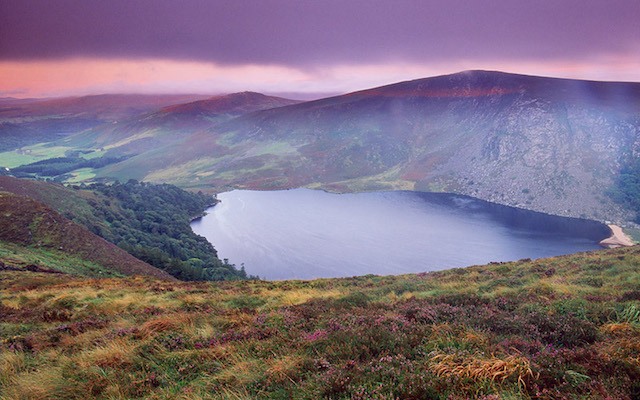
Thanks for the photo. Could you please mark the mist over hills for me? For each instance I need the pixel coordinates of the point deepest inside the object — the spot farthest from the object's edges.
(107, 107)
(546, 144)
(28, 121)
(233, 104)
(552, 145)
(170, 124)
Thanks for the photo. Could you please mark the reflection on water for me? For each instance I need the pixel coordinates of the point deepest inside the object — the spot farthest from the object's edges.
(304, 234)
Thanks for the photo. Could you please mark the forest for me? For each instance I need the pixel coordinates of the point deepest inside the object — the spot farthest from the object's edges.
(151, 222)
(59, 166)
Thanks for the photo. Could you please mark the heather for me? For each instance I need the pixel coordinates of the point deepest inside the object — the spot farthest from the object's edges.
(559, 328)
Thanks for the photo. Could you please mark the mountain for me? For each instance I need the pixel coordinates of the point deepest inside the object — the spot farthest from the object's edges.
(161, 130)
(546, 144)
(30, 223)
(559, 146)
(28, 121)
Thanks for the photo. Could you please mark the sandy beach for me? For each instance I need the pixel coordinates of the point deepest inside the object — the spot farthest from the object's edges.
(617, 239)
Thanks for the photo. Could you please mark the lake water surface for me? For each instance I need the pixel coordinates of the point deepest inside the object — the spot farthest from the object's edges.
(305, 234)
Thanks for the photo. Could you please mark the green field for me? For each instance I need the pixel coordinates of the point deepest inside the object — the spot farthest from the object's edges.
(81, 175)
(30, 154)
(14, 254)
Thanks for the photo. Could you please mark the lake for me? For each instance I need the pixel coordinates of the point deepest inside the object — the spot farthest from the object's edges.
(306, 234)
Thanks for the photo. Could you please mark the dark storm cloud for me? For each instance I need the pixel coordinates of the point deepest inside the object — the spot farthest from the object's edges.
(311, 32)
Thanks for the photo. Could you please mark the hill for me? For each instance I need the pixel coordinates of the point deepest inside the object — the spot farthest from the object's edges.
(150, 140)
(28, 121)
(103, 107)
(560, 328)
(545, 144)
(151, 222)
(126, 130)
(163, 128)
(29, 223)
(231, 105)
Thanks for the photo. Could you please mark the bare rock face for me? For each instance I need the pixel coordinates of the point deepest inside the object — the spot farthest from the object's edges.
(556, 157)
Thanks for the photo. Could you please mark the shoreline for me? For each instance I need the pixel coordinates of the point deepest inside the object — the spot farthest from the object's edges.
(617, 239)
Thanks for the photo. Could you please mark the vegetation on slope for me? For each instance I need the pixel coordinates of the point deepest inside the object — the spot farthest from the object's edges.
(566, 327)
(14, 136)
(153, 225)
(151, 222)
(108, 129)
(24, 258)
(60, 167)
(29, 223)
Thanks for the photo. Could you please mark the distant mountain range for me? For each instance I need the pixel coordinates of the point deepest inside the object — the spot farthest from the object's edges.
(29, 121)
(170, 124)
(551, 145)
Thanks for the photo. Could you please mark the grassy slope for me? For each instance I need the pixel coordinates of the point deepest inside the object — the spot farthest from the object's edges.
(20, 256)
(66, 201)
(567, 327)
(152, 220)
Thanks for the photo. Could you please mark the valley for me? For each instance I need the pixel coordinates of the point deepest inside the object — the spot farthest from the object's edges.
(562, 147)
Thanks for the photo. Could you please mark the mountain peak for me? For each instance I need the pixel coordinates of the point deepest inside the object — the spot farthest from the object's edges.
(233, 103)
(471, 83)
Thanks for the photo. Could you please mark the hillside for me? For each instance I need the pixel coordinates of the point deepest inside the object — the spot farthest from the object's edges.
(148, 131)
(150, 222)
(233, 104)
(122, 129)
(29, 223)
(560, 328)
(162, 129)
(550, 145)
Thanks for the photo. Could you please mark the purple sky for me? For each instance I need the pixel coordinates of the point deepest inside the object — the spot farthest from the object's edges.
(304, 45)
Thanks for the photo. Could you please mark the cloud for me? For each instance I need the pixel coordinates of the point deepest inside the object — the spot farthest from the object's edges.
(317, 34)
(85, 46)
(90, 75)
